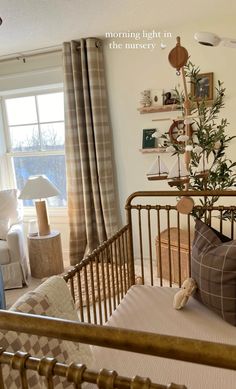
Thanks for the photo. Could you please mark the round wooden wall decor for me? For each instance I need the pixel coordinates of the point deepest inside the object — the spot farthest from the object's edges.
(176, 129)
(178, 56)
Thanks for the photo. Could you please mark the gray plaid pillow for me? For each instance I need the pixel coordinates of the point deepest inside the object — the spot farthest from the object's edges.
(214, 270)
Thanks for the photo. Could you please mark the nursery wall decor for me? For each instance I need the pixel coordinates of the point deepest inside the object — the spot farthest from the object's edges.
(156, 97)
(203, 89)
(146, 100)
(149, 141)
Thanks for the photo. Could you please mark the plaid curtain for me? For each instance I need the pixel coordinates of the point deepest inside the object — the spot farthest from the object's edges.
(90, 184)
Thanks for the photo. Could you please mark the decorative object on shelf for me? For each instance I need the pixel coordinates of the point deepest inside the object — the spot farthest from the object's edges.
(146, 100)
(158, 170)
(39, 187)
(160, 141)
(149, 141)
(178, 173)
(169, 98)
(203, 87)
(178, 129)
(156, 97)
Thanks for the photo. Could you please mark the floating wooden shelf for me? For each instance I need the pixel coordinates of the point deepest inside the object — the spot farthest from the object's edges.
(161, 108)
(154, 150)
(166, 108)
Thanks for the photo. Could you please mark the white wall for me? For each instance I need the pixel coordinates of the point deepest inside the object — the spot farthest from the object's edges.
(130, 72)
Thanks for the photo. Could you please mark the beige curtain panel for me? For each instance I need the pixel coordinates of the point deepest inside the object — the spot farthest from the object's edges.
(90, 184)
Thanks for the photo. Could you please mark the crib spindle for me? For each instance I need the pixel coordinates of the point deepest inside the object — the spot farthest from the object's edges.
(80, 296)
(169, 245)
(107, 261)
(189, 244)
(87, 294)
(98, 290)
(178, 251)
(120, 268)
(141, 242)
(117, 274)
(124, 262)
(150, 243)
(91, 265)
(126, 258)
(103, 284)
(113, 277)
(158, 244)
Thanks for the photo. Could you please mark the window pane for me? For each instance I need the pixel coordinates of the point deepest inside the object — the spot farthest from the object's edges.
(51, 107)
(53, 166)
(25, 138)
(21, 110)
(53, 136)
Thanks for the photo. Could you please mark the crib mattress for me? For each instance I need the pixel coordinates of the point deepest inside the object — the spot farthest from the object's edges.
(150, 309)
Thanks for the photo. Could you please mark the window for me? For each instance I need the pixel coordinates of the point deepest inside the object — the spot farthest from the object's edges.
(35, 139)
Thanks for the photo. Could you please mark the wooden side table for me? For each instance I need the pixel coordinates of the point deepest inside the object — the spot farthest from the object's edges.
(45, 255)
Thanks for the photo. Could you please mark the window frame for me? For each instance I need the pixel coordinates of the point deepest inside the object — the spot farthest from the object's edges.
(11, 94)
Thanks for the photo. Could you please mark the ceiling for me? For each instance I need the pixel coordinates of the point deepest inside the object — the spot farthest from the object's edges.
(35, 24)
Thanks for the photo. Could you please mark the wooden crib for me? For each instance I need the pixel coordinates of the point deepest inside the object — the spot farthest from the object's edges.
(135, 254)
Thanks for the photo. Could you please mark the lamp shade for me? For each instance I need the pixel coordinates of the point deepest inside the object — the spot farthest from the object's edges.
(38, 187)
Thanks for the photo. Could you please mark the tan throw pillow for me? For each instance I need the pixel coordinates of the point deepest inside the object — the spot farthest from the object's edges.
(214, 270)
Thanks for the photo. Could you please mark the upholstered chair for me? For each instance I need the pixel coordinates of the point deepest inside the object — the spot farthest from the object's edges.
(13, 257)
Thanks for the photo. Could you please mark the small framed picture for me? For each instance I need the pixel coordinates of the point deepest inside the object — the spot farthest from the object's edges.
(156, 97)
(203, 89)
(169, 97)
(149, 141)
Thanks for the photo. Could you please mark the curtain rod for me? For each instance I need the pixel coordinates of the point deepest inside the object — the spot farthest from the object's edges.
(37, 52)
(30, 53)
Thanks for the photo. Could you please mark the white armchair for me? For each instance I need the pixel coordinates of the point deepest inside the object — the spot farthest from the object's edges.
(13, 257)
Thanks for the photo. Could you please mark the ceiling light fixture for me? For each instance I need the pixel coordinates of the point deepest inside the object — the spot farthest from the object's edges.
(210, 39)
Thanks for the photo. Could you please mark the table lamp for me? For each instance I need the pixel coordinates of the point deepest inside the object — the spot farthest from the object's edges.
(39, 188)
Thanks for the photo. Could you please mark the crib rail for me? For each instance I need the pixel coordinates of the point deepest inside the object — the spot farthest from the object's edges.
(161, 238)
(100, 280)
(171, 347)
(74, 373)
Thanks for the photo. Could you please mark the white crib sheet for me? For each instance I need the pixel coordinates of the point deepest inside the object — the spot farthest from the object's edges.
(150, 309)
